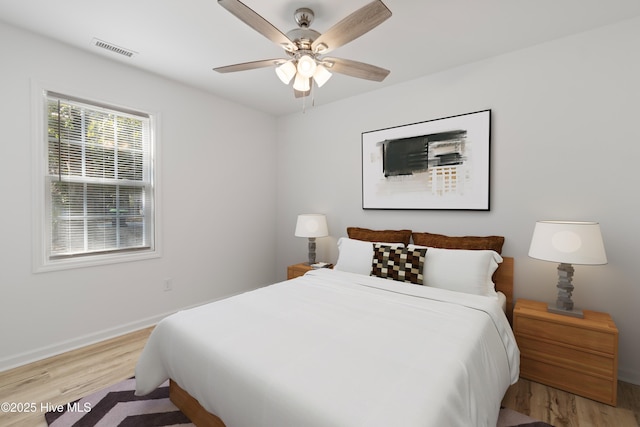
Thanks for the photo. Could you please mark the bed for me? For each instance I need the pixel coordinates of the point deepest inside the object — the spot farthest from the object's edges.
(336, 347)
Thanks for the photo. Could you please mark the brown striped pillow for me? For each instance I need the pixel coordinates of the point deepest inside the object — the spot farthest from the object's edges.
(389, 236)
(493, 243)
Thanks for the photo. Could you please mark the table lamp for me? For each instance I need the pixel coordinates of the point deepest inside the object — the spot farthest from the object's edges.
(312, 226)
(567, 242)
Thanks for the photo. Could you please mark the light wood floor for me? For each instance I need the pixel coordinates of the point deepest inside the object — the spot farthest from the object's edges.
(70, 376)
(563, 409)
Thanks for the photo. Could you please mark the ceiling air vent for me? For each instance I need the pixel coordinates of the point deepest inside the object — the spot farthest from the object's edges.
(113, 48)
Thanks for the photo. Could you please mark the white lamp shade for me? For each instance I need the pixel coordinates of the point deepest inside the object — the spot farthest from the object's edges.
(311, 225)
(322, 75)
(286, 72)
(301, 83)
(306, 66)
(569, 242)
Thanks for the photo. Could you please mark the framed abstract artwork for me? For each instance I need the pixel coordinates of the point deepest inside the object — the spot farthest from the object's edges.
(435, 164)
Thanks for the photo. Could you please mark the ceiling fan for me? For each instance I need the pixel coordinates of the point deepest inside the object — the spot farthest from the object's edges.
(305, 48)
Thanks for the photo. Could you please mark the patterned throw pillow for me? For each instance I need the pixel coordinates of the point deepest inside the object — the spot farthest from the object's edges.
(398, 263)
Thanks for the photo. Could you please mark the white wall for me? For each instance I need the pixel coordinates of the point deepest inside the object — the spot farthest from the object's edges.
(207, 204)
(565, 145)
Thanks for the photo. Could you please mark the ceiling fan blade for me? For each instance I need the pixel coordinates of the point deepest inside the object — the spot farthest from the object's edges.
(353, 26)
(300, 94)
(257, 22)
(249, 65)
(356, 69)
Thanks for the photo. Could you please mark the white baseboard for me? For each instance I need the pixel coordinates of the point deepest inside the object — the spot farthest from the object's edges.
(64, 346)
(41, 353)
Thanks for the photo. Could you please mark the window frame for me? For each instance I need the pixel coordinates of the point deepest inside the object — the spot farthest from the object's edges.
(42, 261)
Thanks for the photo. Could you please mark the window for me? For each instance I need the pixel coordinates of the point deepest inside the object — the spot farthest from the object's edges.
(98, 185)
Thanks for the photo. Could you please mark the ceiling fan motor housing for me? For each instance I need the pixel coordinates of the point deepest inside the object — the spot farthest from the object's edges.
(303, 36)
(304, 17)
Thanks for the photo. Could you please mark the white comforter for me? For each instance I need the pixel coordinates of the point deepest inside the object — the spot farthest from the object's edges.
(334, 349)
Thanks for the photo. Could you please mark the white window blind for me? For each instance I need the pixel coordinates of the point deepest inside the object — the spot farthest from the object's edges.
(99, 179)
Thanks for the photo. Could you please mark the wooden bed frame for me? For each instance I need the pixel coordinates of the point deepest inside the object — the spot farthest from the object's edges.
(503, 278)
(192, 408)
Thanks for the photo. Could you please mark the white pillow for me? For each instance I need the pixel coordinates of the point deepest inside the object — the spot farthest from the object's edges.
(356, 256)
(461, 270)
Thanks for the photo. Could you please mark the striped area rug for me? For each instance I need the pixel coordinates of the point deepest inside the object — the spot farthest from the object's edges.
(118, 406)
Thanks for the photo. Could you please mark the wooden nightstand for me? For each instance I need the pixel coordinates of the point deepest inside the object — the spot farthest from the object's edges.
(296, 270)
(576, 355)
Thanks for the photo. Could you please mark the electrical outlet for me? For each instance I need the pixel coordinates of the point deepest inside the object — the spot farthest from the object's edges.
(168, 284)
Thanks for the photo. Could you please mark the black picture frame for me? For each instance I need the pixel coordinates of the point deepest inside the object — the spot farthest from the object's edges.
(435, 164)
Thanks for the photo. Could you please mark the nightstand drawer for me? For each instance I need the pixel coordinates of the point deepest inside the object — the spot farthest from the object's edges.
(579, 355)
(568, 356)
(573, 335)
(593, 387)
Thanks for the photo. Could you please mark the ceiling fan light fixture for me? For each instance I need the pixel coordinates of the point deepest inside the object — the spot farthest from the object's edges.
(301, 83)
(322, 75)
(286, 72)
(306, 66)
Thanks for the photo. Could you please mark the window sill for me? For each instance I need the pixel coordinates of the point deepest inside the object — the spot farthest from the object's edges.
(93, 260)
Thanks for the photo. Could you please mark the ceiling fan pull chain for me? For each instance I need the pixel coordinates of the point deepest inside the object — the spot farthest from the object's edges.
(304, 104)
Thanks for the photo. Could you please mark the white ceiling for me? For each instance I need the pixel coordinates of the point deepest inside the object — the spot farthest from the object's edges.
(184, 39)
